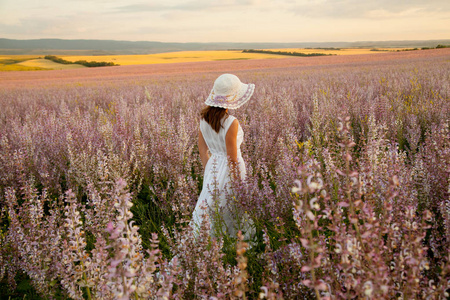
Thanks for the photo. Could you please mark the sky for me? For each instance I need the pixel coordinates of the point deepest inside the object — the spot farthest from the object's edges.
(226, 20)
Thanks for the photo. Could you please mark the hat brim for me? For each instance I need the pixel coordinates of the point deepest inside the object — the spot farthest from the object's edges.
(232, 101)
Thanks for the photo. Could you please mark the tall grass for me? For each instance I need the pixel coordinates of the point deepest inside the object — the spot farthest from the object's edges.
(348, 187)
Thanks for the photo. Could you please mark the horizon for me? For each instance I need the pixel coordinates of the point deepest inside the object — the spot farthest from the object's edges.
(228, 42)
(231, 42)
(227, 21)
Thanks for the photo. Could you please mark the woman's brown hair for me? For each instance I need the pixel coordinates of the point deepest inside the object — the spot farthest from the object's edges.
(213, 116)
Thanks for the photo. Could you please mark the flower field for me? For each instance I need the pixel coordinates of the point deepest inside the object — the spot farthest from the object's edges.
(348, 182)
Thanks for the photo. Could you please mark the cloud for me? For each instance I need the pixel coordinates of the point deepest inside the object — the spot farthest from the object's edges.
(141, 7)
(29, 26)
(369, 9)
(226, 20)
(76, 25)
(196, 5)
(323, 9)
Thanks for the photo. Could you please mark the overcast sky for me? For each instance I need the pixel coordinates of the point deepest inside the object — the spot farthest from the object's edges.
(226, 20)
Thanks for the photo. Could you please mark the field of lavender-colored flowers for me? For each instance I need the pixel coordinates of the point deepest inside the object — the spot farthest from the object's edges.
(348, 186)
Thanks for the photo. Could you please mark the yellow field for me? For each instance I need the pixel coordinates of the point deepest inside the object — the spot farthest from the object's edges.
(28, 62)
(343, 51)
(48, 64)
(172, 57)
(15, 67)
(11, 63)
(194, 56)
(16, 58)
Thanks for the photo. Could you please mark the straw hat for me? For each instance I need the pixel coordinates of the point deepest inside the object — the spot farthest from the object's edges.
(229, 92)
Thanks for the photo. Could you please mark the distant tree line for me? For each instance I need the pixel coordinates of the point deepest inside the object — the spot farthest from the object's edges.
(426, 48)
(284, 53)
(90, 64)
(324, 48)
(437, 47)
(411, 49)
(398, 50)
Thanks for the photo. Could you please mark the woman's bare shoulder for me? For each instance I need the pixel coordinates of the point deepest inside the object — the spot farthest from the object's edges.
(233, 128)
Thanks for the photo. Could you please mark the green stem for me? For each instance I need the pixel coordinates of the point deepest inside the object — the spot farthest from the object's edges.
(350, 201)
(311, 258)
(88, 290)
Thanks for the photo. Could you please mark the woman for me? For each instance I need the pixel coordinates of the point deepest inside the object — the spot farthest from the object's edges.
(219, 140)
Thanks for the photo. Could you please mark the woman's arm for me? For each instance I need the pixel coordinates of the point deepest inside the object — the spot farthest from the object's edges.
(231, 143)
(203, 149)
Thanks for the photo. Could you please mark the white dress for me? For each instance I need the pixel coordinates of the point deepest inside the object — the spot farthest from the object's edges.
(216, 181)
